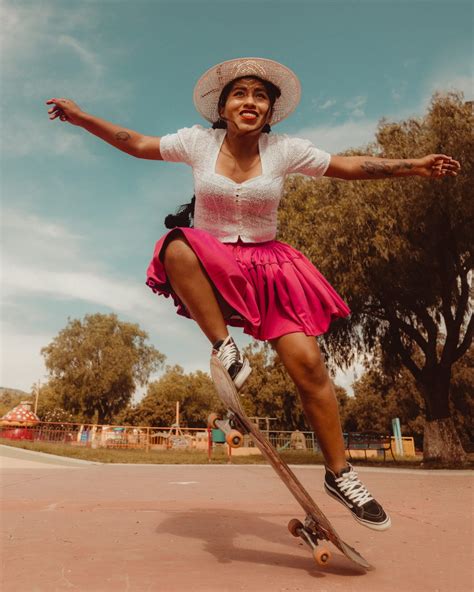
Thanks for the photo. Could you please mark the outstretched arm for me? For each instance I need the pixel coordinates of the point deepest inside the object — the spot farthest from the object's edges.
(127, 140)
(368, 167)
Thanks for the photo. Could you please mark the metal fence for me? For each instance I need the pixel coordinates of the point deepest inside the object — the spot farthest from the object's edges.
(144, 437)
(177, 438)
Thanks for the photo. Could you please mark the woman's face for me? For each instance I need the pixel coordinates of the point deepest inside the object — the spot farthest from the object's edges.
(247, 107)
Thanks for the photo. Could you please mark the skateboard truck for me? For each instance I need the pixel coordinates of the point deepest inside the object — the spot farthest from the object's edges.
(311, 537)
(233, 436)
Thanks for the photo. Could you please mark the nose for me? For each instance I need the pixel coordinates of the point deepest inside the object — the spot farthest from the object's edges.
(249, 100)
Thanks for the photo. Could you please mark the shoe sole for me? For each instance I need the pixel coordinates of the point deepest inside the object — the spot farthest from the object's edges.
(372, 525)
(243, 374)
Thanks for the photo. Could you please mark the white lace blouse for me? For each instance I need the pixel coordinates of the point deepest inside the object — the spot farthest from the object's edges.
(248, 210)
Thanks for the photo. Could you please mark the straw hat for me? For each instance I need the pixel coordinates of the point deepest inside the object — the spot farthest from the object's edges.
(209, 87)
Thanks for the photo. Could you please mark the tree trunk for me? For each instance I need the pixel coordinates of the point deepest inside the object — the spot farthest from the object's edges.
(441, 442)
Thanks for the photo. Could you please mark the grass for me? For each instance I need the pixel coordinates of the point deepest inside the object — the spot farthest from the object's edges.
(219, 456)
(117, 455)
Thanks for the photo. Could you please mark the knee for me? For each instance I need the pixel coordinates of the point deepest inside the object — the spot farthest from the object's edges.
(311, 372)
(178, 254)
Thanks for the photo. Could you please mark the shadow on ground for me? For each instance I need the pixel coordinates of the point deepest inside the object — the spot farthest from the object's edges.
(228, 535)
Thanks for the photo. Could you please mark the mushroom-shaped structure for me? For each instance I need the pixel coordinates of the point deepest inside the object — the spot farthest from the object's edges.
(22, 418)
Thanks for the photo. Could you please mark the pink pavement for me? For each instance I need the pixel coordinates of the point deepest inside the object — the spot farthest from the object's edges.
(76, 526)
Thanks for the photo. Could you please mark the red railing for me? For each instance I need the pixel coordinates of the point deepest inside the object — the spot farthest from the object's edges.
(108, 436)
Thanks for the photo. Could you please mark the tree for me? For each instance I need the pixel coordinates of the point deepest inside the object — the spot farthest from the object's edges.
(270, 392)
(194, 391)
(400, 252)
(49, 403)
(96, 363)
(10, 398)
(378, 398)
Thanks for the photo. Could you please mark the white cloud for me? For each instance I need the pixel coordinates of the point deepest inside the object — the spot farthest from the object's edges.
(28, 223)
(87, 57)
(23, 135)
(118, 294)
(446, 81)
(340, 137)
(355, 106)
(32, 28)
(41, 257)
(324, 105)
(52, 33)
(44, 263)
(453, 71)
(21, 363)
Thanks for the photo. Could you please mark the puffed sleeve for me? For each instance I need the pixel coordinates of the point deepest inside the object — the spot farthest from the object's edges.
(303, 157)
(183, 146)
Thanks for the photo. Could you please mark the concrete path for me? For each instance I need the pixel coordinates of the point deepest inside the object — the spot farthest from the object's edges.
(76, 526)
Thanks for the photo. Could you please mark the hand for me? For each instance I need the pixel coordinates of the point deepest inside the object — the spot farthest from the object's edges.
(437, 166)
(66, 110)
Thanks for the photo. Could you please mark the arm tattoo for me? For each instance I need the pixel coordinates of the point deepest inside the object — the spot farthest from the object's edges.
(384, 169)
(124, 136)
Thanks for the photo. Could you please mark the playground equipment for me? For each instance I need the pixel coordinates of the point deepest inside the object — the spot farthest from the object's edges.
(23, 418)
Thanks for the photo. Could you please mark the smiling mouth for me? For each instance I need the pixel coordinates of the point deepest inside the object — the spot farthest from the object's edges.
(250, 115)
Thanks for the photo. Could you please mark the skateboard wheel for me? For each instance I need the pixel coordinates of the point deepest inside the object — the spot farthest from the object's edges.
(234, 439)
(322, 556)
(211, 420)
(295, 526)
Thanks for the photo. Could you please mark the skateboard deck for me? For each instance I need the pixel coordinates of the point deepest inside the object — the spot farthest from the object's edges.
(316, 526)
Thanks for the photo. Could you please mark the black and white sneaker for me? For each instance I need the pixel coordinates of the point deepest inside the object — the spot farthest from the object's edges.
(234, 362)
(347, 489)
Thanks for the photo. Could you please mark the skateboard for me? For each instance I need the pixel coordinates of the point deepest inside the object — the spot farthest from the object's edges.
(316, 527)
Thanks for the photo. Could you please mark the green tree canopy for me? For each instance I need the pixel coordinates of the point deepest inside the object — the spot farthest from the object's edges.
(400, 251)
(194, 391)
(10, 398)
(96, 363)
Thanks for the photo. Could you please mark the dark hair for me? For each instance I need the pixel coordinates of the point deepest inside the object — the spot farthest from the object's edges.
(184, 215)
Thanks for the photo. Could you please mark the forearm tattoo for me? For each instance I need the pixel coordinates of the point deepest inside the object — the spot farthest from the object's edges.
(124, 136)
(384, 169)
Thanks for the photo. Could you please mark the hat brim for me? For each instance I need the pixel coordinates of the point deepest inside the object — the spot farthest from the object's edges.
(209, 87)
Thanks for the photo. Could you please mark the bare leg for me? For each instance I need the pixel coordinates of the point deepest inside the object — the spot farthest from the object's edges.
(303, 360)
(191, 283)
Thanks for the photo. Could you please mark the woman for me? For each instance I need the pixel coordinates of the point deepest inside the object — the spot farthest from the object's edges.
(228, 269)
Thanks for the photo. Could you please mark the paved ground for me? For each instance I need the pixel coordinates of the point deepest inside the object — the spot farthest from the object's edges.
(75, 526)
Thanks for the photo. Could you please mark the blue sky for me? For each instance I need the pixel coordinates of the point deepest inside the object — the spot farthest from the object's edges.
(80, 219)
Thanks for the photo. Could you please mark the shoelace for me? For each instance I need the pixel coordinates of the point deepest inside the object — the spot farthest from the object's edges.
(353, 488)
(229, 354)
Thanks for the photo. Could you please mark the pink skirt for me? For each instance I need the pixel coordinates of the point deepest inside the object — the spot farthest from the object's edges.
(272, 288)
